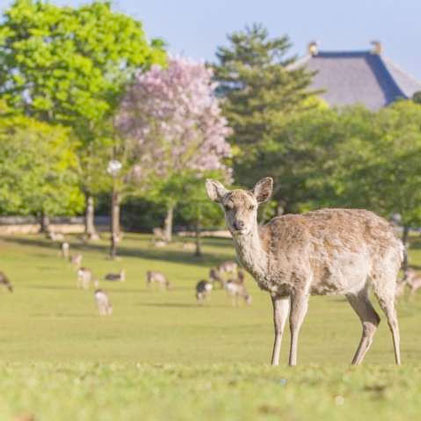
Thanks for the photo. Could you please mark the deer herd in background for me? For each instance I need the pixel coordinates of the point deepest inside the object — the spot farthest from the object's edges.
(226, 276)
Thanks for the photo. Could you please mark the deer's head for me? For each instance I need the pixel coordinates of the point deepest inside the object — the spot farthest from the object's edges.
(240, 206)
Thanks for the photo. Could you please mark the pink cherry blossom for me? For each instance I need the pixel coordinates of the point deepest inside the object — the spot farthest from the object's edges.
(175, 119)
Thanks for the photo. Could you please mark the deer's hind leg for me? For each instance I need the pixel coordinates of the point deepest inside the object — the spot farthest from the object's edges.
(386, 300)
(369, 319)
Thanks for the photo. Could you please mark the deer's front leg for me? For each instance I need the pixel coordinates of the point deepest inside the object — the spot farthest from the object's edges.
(299, 304)
(280, 315)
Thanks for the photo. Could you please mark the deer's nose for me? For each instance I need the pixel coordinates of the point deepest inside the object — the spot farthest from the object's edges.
(239, 225)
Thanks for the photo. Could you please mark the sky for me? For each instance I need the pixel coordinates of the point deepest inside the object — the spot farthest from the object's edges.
(195, 28)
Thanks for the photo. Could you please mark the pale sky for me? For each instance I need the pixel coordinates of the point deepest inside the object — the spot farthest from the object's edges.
(195, 28)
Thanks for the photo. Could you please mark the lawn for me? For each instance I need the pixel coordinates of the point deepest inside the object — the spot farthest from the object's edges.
(162, 356)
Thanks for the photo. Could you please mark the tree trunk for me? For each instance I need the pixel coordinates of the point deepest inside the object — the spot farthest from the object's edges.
(90, 230)
(168, 223)
(198, 251)
(44, 223)
(405, 241)
(115, 222)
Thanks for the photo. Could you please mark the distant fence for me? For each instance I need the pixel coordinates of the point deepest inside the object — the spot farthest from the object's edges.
(65, 225)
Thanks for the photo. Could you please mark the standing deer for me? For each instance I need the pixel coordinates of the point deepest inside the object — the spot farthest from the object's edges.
(329, 251)
(103, 303)
(203, 290)
(85, 278)
(65, 248)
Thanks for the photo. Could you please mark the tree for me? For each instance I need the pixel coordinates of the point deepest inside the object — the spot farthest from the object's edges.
(354, 157)
(38, 168)
(196, 208)
(173, 122)
(70, 66)
(261, 86)
(382, 170)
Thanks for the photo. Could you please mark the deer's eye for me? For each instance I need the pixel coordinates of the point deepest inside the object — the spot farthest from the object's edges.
(229, 206)
(251, 207)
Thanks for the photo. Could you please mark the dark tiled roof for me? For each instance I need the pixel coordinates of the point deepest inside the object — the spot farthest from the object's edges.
(359, 77)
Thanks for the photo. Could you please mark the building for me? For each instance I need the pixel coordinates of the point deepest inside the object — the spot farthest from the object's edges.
(358, 77)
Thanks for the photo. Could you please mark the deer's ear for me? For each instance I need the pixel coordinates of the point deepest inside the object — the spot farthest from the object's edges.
(216, 191)
(263, 189)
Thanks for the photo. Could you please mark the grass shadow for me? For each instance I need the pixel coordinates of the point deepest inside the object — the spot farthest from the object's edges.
(173, 256)
(52, 287)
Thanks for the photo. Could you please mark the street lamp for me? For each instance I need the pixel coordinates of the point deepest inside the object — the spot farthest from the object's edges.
(114, 168)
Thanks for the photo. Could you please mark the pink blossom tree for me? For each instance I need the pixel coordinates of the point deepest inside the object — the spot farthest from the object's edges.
(174, 123)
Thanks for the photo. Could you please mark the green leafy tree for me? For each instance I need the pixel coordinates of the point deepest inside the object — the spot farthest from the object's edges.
(196, 208)
(357, 158)
(262, 85)
(70, 66)
(38, 169)
(381, 171)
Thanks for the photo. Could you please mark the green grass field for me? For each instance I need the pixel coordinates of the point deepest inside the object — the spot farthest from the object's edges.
(162, 356)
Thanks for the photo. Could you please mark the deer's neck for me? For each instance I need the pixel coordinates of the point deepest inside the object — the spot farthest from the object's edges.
(251, 253)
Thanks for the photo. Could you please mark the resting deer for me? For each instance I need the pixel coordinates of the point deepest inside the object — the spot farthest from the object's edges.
(203, 289)
(4, 280)
(103, 303)
(329, 251)
(158, 278)
(116, 277)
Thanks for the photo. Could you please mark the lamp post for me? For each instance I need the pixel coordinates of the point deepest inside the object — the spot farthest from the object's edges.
(114, 168)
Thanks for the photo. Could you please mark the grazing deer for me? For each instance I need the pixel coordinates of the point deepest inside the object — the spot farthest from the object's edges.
(4, 280)
(76, 260)
(117, 277)
(329, 251)
(157, 278)
(215, 278)
(237, 291)
(228, 267)
(85, 278)
(65, 248)
(413, 280)
(103, 303)
(203, 289)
